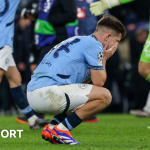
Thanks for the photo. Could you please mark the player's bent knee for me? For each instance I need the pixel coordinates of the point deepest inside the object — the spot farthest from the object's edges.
(107, 97)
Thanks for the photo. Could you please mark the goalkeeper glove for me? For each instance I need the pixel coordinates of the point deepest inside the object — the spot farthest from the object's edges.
(98, 8)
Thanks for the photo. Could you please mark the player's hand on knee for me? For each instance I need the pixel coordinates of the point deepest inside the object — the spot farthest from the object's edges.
(98, 8)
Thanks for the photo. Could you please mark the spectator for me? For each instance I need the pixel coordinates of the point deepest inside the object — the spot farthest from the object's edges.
(21, 48)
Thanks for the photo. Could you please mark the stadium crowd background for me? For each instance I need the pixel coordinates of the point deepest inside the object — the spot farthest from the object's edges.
(128, 88)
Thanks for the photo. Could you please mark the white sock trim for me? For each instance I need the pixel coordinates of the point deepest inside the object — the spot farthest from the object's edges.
(51, 126)
(32, 119)
(62, 127)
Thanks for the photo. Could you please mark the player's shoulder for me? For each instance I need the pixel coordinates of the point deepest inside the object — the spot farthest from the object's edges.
(89, 40)
(86, 38)
(93, 43)
(82, 40)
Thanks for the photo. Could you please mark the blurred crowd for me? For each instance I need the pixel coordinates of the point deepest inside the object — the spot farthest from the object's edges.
(129, 89)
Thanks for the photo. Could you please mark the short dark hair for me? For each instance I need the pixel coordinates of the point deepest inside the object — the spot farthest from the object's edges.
(113, 23)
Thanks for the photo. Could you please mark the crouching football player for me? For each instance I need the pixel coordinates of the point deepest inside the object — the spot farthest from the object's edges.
(56, 88)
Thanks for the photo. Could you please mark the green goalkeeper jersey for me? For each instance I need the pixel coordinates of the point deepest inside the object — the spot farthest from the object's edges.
(125, 1)
(145, 56)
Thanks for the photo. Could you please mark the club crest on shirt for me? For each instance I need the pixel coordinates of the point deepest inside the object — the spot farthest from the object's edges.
(100, 55)
(82, 86)
(6, 60)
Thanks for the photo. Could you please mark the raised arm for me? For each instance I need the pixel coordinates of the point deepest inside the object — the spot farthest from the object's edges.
(98, 8)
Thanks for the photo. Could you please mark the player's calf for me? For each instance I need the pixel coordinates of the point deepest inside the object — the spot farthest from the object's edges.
(13, 76)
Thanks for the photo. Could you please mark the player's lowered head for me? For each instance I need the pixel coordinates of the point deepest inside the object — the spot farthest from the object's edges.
(109, 31)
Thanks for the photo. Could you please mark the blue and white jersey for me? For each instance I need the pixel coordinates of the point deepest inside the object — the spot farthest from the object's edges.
(68, 62)
(7, 15)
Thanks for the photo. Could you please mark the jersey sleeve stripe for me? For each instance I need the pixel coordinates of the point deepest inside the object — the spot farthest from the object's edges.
(95, 67)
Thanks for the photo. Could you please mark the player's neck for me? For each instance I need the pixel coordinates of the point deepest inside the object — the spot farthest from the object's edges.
(99, 37)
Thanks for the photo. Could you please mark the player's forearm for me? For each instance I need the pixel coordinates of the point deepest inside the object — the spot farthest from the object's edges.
(114, 3)
(144, 70)
(104, 68)
(98, 8)
(99, 77)
(100, 80)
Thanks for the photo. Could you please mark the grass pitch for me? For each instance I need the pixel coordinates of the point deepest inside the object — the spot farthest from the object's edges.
(112, 132)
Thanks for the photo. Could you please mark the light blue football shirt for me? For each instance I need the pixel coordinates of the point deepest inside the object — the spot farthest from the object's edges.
(68, 63)
(7, 15)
